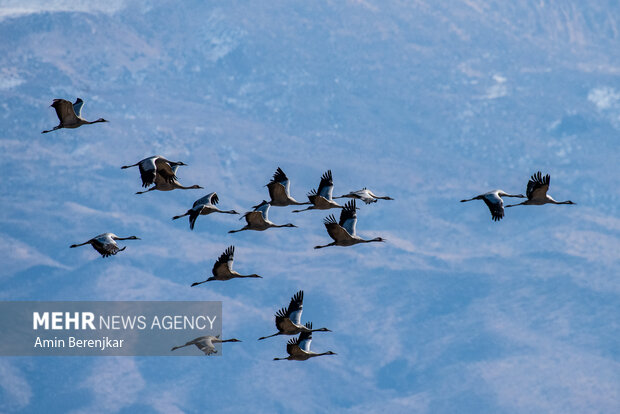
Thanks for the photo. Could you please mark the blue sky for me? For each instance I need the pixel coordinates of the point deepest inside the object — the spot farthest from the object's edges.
(428, 102)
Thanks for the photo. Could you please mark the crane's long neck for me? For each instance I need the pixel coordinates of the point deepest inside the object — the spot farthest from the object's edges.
(252, 275)
(518, 204)
(95, 121)
(297, 203)
(323, 353)
(319, 330)
(282, 225)
(181, 187)
(81, 244)
(376, 239)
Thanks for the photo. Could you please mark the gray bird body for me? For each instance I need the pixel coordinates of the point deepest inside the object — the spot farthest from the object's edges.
(105, 243)
(223, 268)
(69, 115)
(206, 343)
(536, 192)
(298, 349)
(493, 200)
(343, 231)
(258, 219)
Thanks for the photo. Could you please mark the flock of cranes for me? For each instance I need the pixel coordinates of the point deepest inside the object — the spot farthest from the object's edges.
(159, 173)
(536, 194)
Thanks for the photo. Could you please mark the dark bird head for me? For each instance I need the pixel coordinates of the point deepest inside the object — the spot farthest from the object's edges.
(196, 186)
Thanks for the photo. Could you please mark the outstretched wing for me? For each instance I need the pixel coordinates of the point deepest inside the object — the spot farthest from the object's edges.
(334, 229)
(280, 177)
(305, 338)
(312, 195)
(326, 187)
(210, 198)
(165, 169)
(77, 107)
(148, 171)
(295, 307)
(106, 246)
(64, 111)
(279, 186)
(495, 204)
(224, 263)
(538, 186)
(160, 179)
(263, 208)
(205, 345)
(193, 215)
(292, 347)
(348, 217)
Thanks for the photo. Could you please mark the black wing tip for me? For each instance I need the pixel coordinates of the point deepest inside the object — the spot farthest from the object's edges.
(281, 313)
(331, 219)
(279, 175)
(539, 178)
(293, 341)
